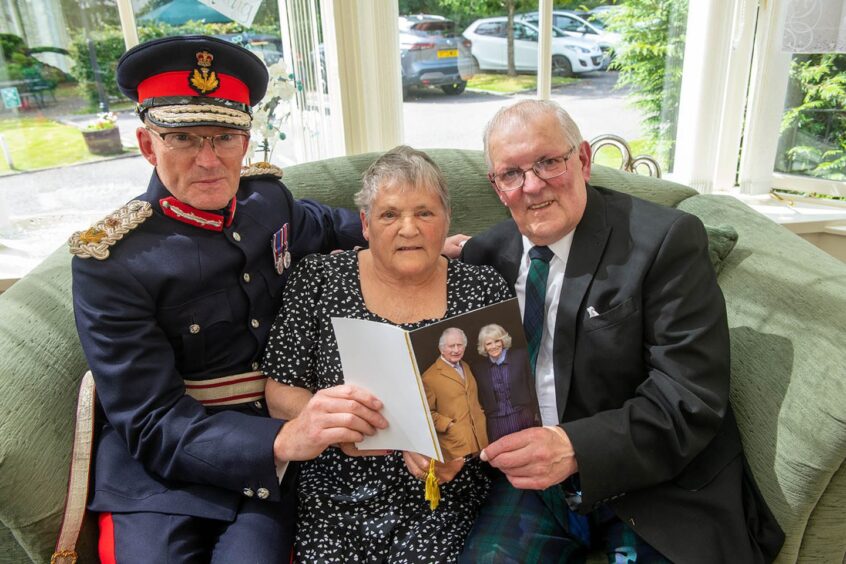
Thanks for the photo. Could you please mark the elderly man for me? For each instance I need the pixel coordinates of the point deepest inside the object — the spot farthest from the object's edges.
(454, 398)
(639, 452)
(174, 295)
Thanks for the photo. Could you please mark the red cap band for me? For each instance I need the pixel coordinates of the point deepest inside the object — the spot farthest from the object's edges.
(176, 83)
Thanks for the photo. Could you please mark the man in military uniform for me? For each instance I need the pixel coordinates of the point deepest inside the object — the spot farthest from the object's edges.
(174, 295)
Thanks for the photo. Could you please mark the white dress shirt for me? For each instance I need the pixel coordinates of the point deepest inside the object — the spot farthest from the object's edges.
(544, 370)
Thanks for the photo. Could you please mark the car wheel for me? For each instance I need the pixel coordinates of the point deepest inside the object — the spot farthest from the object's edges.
(561, 66)
(454, 89)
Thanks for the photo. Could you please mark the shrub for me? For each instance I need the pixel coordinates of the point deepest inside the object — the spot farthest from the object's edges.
(650, 62)
(814, 130)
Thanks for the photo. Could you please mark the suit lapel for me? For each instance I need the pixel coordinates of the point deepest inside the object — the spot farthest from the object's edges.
(510, 254)
(587, 249)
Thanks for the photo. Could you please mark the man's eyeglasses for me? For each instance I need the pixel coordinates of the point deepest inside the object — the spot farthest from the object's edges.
(545, 169)
(224, 145)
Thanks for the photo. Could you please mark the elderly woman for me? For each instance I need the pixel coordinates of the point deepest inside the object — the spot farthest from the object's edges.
(369, 506)
(504, 380)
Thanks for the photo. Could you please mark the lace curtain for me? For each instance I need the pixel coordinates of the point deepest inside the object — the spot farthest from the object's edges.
(815, 26)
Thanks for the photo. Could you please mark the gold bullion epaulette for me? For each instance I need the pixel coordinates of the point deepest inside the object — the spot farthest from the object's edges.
(96, 240)
(259, 169)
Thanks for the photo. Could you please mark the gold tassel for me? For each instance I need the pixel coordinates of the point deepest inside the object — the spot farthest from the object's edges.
(433, 492)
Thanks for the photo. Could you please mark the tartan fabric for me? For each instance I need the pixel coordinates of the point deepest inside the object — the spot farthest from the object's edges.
(518, 526)
(533, 310)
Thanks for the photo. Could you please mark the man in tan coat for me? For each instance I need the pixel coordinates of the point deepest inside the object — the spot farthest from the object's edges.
(453, 399)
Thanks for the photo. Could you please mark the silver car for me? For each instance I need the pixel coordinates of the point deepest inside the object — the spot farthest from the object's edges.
(433, 54)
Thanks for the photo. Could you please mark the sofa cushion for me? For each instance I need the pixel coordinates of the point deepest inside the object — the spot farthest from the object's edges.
(40, 369)
(721, 240)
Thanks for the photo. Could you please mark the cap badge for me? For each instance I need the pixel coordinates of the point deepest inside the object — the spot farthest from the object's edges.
(203, 79)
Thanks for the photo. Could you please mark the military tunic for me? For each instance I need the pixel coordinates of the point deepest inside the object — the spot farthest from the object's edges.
(176, 301)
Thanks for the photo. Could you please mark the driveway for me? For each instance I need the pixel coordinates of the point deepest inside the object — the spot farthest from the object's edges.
(433, 119)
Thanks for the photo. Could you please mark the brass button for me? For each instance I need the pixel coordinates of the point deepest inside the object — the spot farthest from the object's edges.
(194, 328)
(254, 323)
(248, 492)
(247, 277)
(263, 493)
(236, 235)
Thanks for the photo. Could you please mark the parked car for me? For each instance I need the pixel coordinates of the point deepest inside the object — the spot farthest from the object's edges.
(570, 55)
(582, 25)
(433, 54)
(268, 46)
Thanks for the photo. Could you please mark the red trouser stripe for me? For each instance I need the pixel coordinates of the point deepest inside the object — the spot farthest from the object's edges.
(107, 539)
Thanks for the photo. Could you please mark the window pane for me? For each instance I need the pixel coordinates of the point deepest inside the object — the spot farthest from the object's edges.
(813, 129)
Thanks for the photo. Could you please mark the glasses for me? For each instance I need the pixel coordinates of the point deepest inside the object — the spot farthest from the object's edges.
(545, 169)
(224, 145)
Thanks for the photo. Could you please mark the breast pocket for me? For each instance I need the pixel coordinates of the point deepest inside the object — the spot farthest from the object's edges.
(613, 316)
(199, 331)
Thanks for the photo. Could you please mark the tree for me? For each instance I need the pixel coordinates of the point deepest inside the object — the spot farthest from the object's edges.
(650, 61)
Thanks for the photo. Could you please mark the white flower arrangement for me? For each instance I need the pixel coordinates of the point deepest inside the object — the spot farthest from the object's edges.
(273, 111)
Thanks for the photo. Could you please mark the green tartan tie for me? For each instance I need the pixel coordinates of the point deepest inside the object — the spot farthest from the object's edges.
(533, 310)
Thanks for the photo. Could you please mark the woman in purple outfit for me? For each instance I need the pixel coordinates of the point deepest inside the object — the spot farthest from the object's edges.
(506, 389)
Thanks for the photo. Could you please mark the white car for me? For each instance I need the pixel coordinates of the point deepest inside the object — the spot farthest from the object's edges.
(584, 26)
(570, 55)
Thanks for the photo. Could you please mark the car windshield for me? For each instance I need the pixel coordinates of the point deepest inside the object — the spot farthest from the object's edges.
(443, 28)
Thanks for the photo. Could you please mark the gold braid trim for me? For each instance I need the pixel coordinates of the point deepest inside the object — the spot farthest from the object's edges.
(261, 168)
(198, 113)
(96, 240)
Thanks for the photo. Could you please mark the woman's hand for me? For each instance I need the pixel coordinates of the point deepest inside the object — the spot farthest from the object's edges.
(418, 465)
(341, 414)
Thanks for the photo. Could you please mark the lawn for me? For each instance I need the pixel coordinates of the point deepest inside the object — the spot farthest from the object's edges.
(610, 156)
(504, 84)
(37, 142)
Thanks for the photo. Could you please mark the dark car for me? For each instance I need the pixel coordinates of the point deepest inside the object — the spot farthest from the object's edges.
(432, 53)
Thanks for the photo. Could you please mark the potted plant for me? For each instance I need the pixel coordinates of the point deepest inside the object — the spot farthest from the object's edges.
(102, 136)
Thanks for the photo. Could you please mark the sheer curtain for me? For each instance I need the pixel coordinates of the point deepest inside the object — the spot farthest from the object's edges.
(815, 26)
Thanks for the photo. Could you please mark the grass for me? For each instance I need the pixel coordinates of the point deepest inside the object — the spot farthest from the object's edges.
(37, 142)
(610, 156)
(504, 84)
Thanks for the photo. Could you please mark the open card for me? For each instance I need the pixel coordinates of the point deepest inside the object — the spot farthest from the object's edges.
(441, 398)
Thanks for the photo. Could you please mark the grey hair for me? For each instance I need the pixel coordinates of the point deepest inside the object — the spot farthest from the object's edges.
(449, 330)
(404, 168)
(492, 331)
(526, 110)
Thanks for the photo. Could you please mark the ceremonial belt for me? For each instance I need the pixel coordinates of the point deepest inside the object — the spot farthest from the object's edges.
(227, 390)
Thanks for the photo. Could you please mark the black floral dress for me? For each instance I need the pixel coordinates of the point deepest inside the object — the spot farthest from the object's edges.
(368, 509)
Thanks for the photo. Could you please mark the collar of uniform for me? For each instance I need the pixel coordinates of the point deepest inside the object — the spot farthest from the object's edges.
(180, 211)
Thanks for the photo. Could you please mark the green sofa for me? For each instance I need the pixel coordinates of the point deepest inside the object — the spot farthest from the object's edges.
(787, 313)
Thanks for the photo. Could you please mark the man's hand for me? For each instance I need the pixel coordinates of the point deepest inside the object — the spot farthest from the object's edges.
(453, 245)
(342, 414)
(418, 465)
(534, 458)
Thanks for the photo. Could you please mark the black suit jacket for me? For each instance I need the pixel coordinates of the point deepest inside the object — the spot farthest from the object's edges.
(642, 388)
